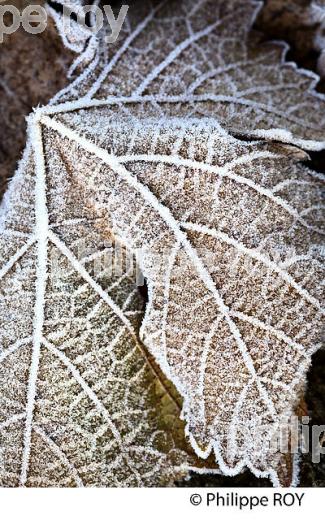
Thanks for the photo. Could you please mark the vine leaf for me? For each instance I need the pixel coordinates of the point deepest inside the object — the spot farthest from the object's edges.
(82, 403)
(202, 58)
(228, 236)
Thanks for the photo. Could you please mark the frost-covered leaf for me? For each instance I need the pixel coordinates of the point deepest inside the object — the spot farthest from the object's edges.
(201, 57)
(81, 402)
(228, 235)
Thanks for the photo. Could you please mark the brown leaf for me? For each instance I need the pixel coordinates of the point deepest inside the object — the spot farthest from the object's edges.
(202, 58)
(229, 240)
(81, 402)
